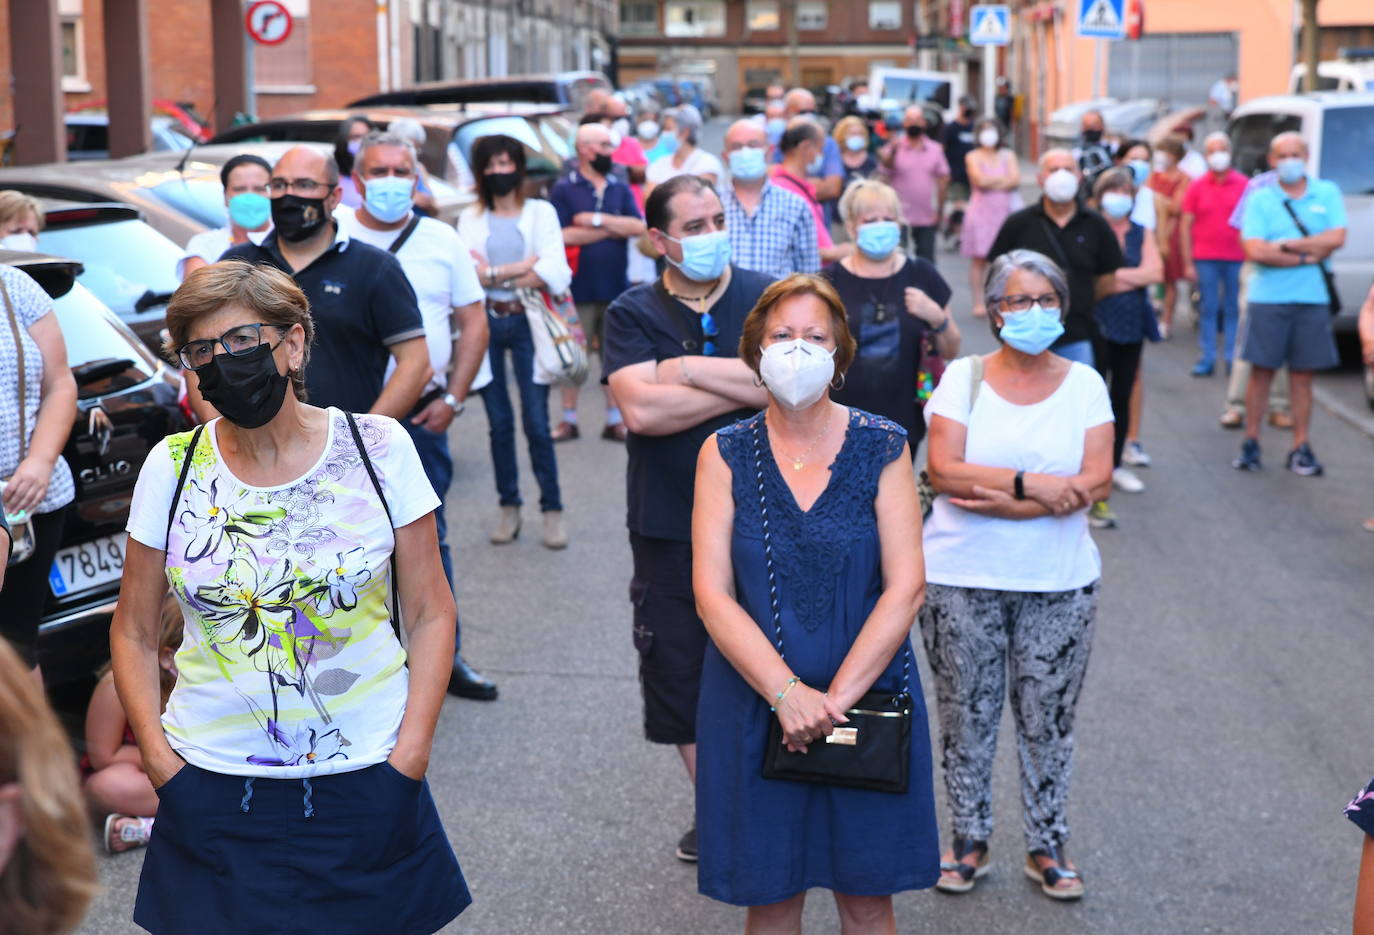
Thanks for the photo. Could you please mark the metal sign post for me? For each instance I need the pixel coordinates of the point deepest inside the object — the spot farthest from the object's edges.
(989, 25)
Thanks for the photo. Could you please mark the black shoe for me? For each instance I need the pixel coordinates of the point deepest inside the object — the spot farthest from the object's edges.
(1303, 462)
(467, 682)
(687, 847)
(1249, 459)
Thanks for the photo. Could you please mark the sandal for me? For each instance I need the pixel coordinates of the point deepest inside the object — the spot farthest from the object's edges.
(965, 874)
(126, 832)
(1056, 873)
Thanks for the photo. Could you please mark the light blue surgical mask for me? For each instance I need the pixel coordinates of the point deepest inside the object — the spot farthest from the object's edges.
(775, 128)
(817, 164)
(877, 239)
(704, 256)
(1117, 204)
(1291, 170)
(250, 210)
(1031, 331)
(748, 164)
(1140, 169)
(855, 143)
(388, 199)
(669, 143)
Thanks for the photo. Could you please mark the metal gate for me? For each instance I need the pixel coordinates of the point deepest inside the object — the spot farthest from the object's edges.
(1177, 68)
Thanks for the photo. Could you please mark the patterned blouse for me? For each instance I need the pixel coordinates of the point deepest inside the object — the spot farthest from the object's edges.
(30, 303)
(289, 666)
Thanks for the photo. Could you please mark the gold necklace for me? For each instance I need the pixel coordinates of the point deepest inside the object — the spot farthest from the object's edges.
(799, 461)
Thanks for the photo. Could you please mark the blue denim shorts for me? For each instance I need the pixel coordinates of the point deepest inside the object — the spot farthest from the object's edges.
(1298, 335)
(361, 851)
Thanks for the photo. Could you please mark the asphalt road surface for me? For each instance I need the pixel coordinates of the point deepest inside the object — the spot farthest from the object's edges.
(1218, 733)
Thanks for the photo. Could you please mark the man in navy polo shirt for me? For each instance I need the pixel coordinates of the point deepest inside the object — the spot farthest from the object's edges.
(1288, 231)
(599, 216)
(364, 309)
(672, 351)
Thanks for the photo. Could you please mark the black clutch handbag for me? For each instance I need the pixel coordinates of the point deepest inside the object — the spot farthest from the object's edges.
(873, 750)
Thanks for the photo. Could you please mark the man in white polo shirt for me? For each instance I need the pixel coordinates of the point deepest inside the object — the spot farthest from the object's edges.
(452, 305)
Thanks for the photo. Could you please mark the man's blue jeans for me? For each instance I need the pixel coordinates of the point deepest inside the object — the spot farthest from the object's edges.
(512, 333)
(438, 465)
(1081, 351)
(1219, 283)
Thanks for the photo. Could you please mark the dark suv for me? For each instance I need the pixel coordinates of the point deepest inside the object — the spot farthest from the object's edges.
(127, 401)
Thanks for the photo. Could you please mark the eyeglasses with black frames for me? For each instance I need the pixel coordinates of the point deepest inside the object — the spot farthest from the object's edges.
(238, 341)
(1021, 302)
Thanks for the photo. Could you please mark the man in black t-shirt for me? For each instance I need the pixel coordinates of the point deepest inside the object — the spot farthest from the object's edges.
(363, 305)
(671, 359)
(1077, 239)
(958, 143)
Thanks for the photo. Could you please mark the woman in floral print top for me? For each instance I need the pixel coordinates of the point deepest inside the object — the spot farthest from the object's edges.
(280, 551)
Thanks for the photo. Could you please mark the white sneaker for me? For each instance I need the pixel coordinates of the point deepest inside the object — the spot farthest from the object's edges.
(1124, 479)
(1135, 455)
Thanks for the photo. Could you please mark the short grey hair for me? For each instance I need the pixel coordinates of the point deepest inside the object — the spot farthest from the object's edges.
(1000, 270)
(408, 129)
(688, 118)
(1217, 136)
(383, 138)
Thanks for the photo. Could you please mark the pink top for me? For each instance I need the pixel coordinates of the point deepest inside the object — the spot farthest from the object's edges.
(631, 153)
(1211, 202)
(913, 173)
(784, 179)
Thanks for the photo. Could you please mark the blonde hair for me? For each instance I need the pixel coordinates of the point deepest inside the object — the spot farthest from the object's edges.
(15, 204)
(264, 290)
(169, 637)
(848, 126)
(864, 192)
(51, 875)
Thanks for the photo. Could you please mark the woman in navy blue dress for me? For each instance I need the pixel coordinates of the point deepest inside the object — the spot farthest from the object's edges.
(845, 530)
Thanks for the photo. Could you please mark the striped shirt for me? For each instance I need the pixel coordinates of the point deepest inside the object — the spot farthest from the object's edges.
(780, 237)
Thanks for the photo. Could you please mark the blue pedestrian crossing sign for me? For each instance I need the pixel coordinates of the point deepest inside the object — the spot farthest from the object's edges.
(1101, 19)
(989, 24)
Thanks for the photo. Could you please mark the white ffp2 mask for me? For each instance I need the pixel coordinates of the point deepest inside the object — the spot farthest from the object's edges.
(796, 372)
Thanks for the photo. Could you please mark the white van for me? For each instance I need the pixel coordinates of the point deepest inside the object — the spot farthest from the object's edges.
(896, 88)
(1342, 75)
(1339, 130)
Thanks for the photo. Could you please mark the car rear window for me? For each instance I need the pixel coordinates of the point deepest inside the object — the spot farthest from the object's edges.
(1347, 141)
(126, 261)
(1250, 137)
(541, 155)
(200, 199)
(94, 337)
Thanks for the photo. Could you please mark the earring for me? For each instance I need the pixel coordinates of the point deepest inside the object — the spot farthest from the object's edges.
(841, 383)
(758, 380)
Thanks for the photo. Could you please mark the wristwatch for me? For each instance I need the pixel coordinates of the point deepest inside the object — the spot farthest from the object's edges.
(453, 403)
(1019, 485)
(596, 219)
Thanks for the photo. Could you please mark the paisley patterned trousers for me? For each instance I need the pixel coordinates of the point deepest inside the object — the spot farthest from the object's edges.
(977, 640)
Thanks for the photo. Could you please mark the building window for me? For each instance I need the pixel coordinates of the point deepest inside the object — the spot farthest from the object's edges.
(763, 14)
(884, 14)
(638, 19)
(73, 47)
(689, 19)
(813, 15)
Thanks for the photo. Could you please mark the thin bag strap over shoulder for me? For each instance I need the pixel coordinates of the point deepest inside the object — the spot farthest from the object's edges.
(377, 486)
(768, 558)
(181, 483)
(23, 371)
(975, 379)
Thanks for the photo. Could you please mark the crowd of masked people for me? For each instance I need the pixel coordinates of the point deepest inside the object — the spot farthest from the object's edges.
(775, 342)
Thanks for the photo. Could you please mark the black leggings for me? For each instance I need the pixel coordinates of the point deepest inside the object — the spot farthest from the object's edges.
(26, 587)
(1118, 364)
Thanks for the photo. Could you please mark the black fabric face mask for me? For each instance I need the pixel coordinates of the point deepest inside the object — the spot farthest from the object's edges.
(1092, 136)
(247, 390)
(502, 183)
(296, 218)
(915, 132)
(601, 163)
